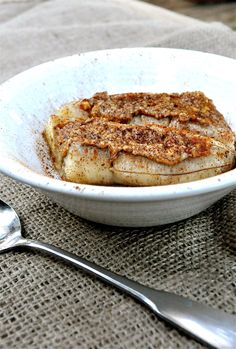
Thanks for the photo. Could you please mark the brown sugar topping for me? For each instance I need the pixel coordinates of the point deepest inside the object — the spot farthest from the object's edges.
(187, 106)
(162, 144)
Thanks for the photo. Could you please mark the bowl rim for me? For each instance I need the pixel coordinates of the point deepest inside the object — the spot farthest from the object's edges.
(19, 172)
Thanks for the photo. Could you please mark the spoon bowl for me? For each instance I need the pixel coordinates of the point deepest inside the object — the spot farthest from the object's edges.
(205, 324)
(10, 227)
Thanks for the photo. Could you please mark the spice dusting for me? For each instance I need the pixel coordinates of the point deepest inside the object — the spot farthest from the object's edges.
(187, 106)
(162, 144)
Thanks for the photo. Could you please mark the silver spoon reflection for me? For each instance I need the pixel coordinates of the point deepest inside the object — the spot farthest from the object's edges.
(210, 326)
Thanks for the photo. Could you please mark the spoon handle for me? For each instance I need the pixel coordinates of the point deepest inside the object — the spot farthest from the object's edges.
(208, 325)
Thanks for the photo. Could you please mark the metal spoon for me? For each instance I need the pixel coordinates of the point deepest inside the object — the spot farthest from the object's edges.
(210, 326)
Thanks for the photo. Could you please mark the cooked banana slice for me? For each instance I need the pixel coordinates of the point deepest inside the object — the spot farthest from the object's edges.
(140, 139)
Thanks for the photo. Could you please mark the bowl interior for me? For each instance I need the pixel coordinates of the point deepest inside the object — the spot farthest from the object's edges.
(28, 99)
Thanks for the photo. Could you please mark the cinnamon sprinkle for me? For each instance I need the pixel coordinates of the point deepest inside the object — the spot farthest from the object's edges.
(162, 144)
(187, 106)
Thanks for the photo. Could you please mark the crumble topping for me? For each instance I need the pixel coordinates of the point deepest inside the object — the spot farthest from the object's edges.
(187, 106)
(162, 144)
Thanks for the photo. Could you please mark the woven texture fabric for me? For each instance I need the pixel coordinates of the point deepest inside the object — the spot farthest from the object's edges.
(45, 303)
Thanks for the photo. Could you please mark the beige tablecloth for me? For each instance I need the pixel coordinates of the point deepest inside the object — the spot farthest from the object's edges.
(47, 304)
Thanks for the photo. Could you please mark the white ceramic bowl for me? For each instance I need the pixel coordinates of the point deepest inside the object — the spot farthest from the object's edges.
(27, 100)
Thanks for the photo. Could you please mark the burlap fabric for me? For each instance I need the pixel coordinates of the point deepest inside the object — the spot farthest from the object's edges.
(47, 304)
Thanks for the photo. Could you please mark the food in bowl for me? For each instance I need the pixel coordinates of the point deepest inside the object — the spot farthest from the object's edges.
(140, 139)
